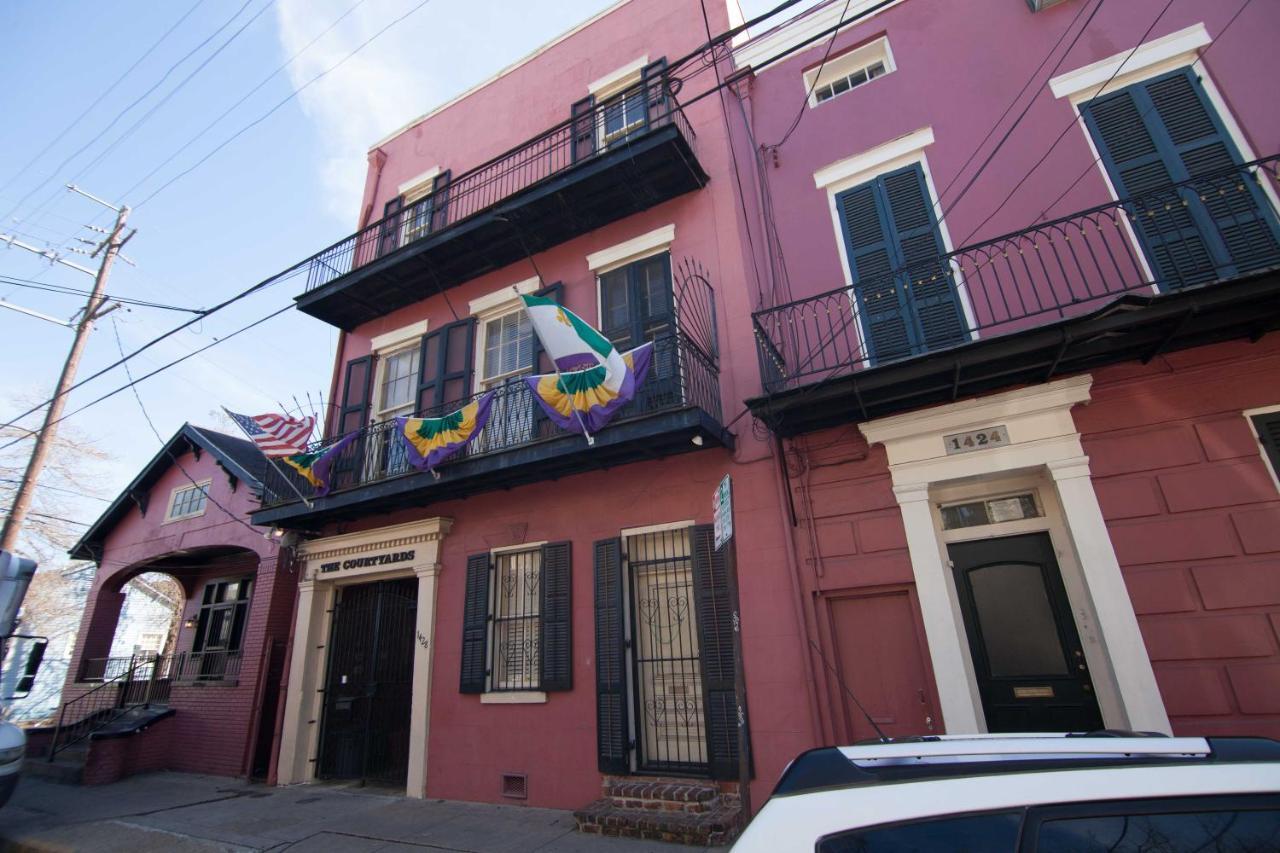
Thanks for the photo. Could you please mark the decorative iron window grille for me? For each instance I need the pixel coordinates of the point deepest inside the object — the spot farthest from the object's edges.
(517, 611)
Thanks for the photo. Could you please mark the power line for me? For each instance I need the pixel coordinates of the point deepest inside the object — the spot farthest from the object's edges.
(47, 147)
(814, 83)
(201, 134)
(1005, 138)
(51, 517)
(297, 91)
(31, 284)
(58, 489)
(1067, 129)
(121, 114)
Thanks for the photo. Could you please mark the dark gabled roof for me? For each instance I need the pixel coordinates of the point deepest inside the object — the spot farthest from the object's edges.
(238, 456)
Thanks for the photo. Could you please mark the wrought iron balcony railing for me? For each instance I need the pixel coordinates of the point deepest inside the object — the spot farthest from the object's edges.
(177, 667)
(1212, 228)
(683, 374)
(607, 126)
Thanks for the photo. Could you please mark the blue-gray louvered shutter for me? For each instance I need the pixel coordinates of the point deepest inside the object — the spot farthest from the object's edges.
(555, 641)
(653, 79)
(389, 229)
(612, 741)
(1165, 131)
(582, 128)
(871, 262)
(714, 604)
(475, 625)
(440, 200)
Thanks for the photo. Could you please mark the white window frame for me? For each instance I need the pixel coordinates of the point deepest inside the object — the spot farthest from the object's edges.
(500, 696)
(614, 83)
(491, 306)
(1177, 50)
(381, 411)
(638, 248)
(173, 499)
(861, 58)
(868, 165)
(1249, 415)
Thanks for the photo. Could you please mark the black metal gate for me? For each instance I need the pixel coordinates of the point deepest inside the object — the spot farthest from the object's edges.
(666, 654)
(368, 689)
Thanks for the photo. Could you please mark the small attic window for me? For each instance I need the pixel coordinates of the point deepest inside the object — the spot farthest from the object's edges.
(188, 501)
(849, 71)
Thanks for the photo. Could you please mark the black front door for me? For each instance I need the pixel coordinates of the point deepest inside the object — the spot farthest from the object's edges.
(368, 688)
(1026, 650)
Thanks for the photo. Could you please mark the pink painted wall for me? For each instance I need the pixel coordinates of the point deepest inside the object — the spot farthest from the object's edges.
(959, 65)
(471, 744)
(214, 728)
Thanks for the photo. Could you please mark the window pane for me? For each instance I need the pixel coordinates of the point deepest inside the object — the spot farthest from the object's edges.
(399, 377)
(613, 294)
(973, 834)
(1018, 628)
(508, 345)
(1217, 831)
(517, 605)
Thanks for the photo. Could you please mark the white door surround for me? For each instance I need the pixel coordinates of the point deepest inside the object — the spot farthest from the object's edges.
(398, 550)
(1042, 451)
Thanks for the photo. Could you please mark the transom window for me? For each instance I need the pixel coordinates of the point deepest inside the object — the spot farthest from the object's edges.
(843, 84)
(189, 501)
(399, 380)
(517, 608)
(990, 511)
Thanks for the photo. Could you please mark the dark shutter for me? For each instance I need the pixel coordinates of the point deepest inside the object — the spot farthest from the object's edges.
(906, 296)
(1164, 131)
(1268, 430)
(475, 625)
(445, 367)
(653, 78)
(358, 386)
(389, 231)
(556, 623)
(583, 128)
(715, 626)
(611, 675)
(440, 200)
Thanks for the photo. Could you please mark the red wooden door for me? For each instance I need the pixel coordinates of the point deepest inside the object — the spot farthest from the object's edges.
(881, 663)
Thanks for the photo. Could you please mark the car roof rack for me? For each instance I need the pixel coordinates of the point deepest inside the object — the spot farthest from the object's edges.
(940, 757)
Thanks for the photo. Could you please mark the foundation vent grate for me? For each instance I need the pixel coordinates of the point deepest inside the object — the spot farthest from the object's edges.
(515, 786)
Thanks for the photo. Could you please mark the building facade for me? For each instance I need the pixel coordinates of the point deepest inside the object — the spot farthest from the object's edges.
(546, 616)
(202, 694)
(1020, 355)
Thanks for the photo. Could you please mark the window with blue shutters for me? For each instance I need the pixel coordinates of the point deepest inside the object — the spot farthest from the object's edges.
(905, 294)
(1217, 224)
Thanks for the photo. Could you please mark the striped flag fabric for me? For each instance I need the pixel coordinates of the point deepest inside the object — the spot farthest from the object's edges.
(276, 435)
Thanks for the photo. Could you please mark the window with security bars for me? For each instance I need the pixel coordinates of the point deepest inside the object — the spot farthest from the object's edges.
(189, 501)
(516, 632)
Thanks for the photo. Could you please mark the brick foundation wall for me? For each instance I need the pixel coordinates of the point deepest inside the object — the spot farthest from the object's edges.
(112, 759)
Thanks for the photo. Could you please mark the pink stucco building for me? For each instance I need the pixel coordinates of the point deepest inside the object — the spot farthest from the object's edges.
(206, 700)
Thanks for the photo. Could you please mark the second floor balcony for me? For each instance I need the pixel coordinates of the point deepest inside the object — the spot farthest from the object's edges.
(676, 410)
(608, 161)
(1189, 263)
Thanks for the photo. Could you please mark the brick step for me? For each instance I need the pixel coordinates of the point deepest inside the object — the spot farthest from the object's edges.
(664, 794)
(67, 768)
(718, 825)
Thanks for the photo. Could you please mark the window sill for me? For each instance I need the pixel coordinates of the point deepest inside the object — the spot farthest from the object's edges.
(514, 697)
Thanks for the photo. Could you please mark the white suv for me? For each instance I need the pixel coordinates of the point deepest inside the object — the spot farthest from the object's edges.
(1050, 793)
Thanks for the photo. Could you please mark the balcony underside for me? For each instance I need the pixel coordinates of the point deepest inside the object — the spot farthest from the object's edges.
(645, 172)
(1132, 328)
(653, 437)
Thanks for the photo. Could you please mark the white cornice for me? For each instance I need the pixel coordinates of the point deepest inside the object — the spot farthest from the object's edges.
(1186, 42)
(762, 51)
(643, 246)
(502, 298)
(379, 537)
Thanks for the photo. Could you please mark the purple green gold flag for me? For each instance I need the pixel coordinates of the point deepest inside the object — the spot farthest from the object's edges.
(314, 466)
(430, 441)
(590, 398)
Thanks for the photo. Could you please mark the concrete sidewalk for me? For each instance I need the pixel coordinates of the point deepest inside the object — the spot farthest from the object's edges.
(196, 814)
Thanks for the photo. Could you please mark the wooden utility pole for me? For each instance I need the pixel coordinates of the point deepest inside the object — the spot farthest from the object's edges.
(110, 247)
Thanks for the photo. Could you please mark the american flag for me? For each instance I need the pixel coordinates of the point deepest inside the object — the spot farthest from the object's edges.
(276, 435)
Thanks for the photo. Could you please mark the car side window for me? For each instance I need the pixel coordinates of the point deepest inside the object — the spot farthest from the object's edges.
(981, 833)
(1229, 826)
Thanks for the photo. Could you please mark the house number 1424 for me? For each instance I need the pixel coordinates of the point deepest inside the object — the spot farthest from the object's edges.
(976, 439)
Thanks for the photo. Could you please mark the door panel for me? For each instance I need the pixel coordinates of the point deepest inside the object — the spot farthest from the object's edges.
(1027, 654)
(365, 730)
(881, 663)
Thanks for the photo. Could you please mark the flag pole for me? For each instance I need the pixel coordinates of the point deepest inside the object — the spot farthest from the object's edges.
(591, 442)
(270, 461)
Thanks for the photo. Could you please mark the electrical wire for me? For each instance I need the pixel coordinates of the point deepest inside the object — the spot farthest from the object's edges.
(48, 146)
(31, 284)
(1071, 124)
(122, 113)
(56, 489)
(813, 84)
(33, 514)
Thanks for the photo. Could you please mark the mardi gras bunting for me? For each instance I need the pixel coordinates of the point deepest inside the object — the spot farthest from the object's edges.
(430, 441)
(314, 466)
